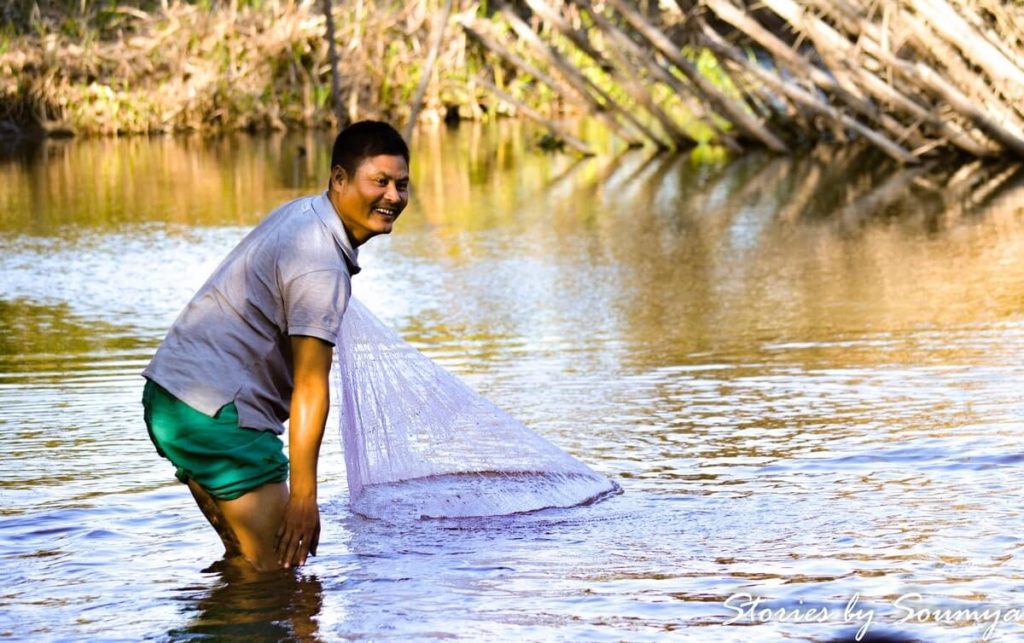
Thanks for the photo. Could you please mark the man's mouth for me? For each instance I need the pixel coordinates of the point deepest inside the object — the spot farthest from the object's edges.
(388, 212)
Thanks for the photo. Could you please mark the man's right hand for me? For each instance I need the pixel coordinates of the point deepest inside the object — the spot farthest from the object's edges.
(299, 533)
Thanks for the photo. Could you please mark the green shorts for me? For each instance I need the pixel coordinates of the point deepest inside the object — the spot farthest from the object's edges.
(225, 459)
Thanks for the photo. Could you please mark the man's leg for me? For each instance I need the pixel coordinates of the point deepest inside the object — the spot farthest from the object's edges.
(218, 452)
(254, 519)
(216, 519)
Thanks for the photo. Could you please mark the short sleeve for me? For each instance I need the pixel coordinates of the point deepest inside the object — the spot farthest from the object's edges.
(314, 303)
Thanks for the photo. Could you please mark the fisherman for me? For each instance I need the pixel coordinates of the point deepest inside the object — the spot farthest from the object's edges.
(254, 348)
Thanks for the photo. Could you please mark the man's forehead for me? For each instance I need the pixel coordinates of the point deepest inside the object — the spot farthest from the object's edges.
(393, 166)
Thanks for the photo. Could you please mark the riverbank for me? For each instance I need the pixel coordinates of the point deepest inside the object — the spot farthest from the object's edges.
(919, 80)
(182, 68)
(265, 66)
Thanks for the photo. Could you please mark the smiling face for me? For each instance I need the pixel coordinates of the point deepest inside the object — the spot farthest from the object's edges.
(370, 200)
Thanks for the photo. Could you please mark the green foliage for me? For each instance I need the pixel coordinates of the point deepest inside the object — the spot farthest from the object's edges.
(708, 66)
(708, 155)
(72, 27)
(7, 36)
(322, 96)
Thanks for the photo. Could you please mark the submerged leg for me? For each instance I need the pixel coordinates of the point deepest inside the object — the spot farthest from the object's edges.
(216, 519)
(254, 519)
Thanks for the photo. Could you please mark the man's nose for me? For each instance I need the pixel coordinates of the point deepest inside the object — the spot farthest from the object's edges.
(391, 193)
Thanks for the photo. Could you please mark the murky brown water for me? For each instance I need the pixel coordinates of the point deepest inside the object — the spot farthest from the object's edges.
(805, 373)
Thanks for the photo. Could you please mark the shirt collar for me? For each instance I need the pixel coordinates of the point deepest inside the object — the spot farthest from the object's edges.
(325, 210)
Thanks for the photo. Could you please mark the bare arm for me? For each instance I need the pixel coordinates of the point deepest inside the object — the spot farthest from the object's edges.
(299, 532)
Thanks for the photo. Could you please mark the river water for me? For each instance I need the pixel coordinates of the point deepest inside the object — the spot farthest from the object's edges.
(805, 373)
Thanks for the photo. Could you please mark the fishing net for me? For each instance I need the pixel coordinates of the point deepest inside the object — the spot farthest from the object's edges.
(421, 444)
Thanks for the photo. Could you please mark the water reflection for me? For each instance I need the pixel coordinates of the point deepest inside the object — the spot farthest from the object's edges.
(40, 343)
(804, 371)
(64, 186)
(245, 605)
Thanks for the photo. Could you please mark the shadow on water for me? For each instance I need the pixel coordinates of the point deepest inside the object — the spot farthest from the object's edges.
(244, 605)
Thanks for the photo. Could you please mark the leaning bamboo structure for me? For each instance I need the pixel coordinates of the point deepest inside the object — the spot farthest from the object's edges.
(580, 82)
(428, 67)
(622, 70)
(702, 86)
(560, 132)
(915, 79)
(655, 69)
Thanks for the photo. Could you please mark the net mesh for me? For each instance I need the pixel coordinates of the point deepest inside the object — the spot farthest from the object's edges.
(421, 444)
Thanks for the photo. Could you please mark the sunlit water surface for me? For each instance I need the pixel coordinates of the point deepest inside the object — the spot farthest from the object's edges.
(809, 391)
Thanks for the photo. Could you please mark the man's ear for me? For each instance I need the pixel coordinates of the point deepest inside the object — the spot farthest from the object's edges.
(338, 176)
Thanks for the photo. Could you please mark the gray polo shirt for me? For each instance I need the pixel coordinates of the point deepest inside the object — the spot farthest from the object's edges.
(290, 276)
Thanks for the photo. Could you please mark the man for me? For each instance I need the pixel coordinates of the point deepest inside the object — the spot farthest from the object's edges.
(254, 348)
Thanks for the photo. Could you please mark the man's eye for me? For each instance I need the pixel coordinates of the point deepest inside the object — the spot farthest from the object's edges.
(404, 187)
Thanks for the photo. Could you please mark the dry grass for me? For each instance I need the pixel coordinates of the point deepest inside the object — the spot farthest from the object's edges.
(916, 78)
(186, 68)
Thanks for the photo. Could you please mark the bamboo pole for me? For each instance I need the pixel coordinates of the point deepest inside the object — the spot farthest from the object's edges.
(838, 80)
(1009, 26)
(705, 89)
(474, 31)
(524, 109)
(923, 75)
(948, 24)
(622, 72)
(574, 77)
(825, 37)
(333, 55)
(656, 70)
(961, 74)
(774, 109)
(963, 104)
(962, 180)
(1000, 41)
(895, 67)
(777, 110)
(809, 101)
(559, 88)
(428, 68)
(555, 19)
(802, 67)
(759, 101)
(871, 38)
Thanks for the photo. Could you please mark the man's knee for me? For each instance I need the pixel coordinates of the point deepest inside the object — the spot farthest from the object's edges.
(254, 519)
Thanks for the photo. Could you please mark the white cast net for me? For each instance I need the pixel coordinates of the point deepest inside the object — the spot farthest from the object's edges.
(421, 444)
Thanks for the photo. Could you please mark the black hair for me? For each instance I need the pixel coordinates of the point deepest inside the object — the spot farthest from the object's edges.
(363, 140)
